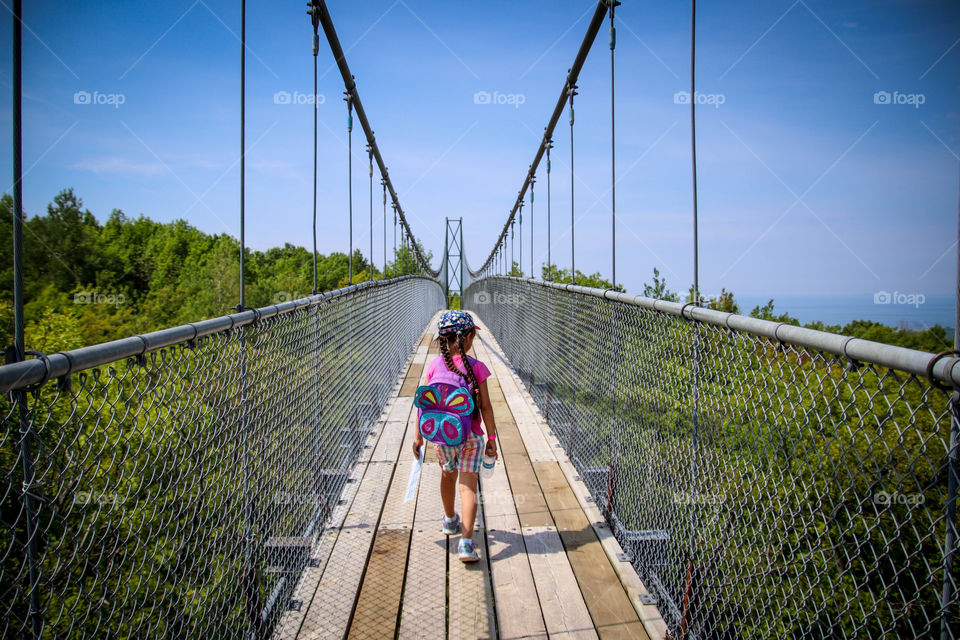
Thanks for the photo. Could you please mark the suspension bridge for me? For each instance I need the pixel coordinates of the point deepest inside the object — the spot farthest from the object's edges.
(666, 469)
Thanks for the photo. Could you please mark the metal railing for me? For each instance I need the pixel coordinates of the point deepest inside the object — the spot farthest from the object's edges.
(177, 480)
(767, 480)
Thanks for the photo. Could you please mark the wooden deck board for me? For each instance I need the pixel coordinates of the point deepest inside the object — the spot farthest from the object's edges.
(412, 381)
(332, 606)
(561, 603)
(564, 609)
(291, 622)
(378, 604)
(470, 599)
(524, 485)
(422, 613)
(514, 592)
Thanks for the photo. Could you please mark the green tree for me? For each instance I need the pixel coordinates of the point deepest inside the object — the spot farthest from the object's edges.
(551, 272)
(766, 312)
(659, 290)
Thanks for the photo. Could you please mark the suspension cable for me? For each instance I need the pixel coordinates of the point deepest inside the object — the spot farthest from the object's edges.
(695, 373)
(510, 270)
(572, 91)
(549, 263)
(520, 240)
(19, 344)
(384, 184)
(349, 99)
(243, 148)
(351, 88)
(613, 152)
(370, 170)
(593, 29)
(693, 143)
(532, 182)
(314, 12)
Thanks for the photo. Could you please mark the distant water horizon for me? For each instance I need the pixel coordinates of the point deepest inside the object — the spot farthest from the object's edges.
(894, 309)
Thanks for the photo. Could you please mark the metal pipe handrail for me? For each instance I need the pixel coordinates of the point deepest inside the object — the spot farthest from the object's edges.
(911, 361)
(571, 80)
(351, 86)
(28, 372)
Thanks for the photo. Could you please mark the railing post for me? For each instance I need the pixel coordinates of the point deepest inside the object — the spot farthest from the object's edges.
(27, 495)
(19, 348)
(950, 537)
(613, 416)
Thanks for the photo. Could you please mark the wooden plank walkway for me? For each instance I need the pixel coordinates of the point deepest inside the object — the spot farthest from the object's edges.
(548, 566)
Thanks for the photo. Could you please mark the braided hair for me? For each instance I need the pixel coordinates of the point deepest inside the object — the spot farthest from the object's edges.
(445, 341)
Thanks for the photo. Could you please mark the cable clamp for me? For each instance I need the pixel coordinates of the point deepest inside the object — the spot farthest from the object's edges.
(684, 308)
(933, 361)
(46, 370)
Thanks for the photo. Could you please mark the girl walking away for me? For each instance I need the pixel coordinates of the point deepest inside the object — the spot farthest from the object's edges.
(456, 331)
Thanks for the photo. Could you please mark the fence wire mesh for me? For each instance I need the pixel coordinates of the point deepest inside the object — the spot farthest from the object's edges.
(178, 494)
(762, 489)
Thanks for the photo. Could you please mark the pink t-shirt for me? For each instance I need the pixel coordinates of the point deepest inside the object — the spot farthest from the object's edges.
(480, 370)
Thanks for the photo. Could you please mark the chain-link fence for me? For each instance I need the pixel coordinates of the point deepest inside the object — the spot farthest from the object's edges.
(768, 481)
(175, 492)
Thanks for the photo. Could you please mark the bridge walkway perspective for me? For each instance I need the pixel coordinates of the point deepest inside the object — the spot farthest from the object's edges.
(549, 567)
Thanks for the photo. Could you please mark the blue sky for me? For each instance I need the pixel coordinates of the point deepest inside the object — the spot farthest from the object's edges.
(808, 186)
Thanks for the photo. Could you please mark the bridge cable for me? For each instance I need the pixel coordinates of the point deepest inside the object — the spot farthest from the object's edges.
(350, 84)
(611, 488)
(512, 225)
(19, 345)
(250, 578)
(384, 184)
(953, 478)
(549, 263)
(370, 257)
(572, 91)
(243, 64)
(693, 145)
(314, 12)
(532, 274)
(613, 152)
(600, 14)
(349, 100)
(694, 458)
(520, 240)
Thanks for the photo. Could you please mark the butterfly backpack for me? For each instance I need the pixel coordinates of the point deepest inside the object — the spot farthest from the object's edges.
(445, 409)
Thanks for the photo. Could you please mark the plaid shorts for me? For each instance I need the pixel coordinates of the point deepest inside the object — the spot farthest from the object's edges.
(467, 457)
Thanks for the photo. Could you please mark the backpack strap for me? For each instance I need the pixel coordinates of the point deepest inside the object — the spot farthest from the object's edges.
(445, 376)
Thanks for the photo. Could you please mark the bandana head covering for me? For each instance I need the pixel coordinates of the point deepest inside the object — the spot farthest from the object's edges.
(455, 322)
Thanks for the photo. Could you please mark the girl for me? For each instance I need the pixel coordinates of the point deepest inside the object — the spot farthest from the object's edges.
(456, 332)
